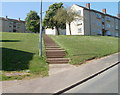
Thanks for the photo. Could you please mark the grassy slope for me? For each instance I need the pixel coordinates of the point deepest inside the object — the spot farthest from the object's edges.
(20, 53)
(82, 48)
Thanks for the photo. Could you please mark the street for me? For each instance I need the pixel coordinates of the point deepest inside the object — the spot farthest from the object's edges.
(106, 82)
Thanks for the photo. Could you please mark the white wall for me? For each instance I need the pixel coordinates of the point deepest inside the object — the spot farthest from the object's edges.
(50, 31)
(77, 24)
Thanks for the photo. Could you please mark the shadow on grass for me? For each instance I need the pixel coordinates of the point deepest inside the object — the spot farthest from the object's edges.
(15, 60)
(10, 41)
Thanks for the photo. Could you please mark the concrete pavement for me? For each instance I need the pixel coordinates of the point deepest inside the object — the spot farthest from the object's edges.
(60, 81)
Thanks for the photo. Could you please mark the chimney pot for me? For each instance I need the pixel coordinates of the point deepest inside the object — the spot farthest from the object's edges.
(118, 15)
(104, 11)
(88, 5)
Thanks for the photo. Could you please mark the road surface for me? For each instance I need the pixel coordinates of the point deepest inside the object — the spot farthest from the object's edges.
(106, 82)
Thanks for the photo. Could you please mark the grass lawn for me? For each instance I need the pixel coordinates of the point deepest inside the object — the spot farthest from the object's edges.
(20, 54)
(82, 48)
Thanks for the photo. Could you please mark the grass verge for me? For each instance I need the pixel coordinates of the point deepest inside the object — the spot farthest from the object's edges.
(82, 48)
(20, 54)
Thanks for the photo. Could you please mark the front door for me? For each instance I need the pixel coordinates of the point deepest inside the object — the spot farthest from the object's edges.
(103, 32)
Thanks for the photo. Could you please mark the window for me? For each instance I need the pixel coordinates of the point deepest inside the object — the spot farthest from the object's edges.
(116, 27)
(10, 23)
(98, 15)
(116, 20)
(98, 23)
(78, 22)
(18, 24)
(103, 26)
(108, 33)
(99, 32)
(108, 18)
(79, 30)
(116, 34)
(79, 12)
(14, 22)
(108, 25)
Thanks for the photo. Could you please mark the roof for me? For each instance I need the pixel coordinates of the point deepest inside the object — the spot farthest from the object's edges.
(97, 12)
(12, 19)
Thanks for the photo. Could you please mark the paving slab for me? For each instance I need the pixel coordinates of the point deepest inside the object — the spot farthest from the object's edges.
(58, 68)
(60, 81)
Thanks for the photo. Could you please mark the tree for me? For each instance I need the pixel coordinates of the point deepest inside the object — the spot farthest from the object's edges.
(49, 21)
(32, 21)
(67, 16)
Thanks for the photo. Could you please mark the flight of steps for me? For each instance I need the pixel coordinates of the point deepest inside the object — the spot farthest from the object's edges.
(55, 54)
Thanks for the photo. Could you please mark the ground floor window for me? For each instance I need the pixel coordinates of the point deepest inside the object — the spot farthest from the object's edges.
(79, 30)
(99, 32)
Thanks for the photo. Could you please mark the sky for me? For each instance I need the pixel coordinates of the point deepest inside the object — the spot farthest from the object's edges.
(17, 10)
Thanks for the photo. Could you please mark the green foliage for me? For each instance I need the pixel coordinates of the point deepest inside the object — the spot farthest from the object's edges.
(82, 48)
(67, 16)
(49, 21)
(32, 21)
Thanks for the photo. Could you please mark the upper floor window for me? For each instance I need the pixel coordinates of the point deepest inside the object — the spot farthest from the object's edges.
(116, 27)
(98, 23)
(108, 25)
(79, 12)
(18, 24)
(116, 20)
(108, 18)
(98, 15)
(11, 23)
(78, 22)
(14, 26)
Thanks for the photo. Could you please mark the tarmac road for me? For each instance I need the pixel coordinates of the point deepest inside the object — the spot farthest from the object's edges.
(106, 82)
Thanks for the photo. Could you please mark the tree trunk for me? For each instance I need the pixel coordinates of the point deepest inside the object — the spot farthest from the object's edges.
(58, 32)
(70, 28)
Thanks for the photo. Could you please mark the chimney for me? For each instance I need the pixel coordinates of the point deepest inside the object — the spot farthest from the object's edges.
(6, 17)
(88, 5)
(104, 11)
(118, 15)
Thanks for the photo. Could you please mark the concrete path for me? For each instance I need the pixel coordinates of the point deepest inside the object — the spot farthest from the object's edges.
(59, 68)
(60, 81)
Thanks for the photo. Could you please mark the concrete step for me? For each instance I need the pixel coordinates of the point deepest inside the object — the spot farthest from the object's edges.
(52, 46)
(52, 59)
(54, 49)
(58, 60)
(55, 54)
(60, 56)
